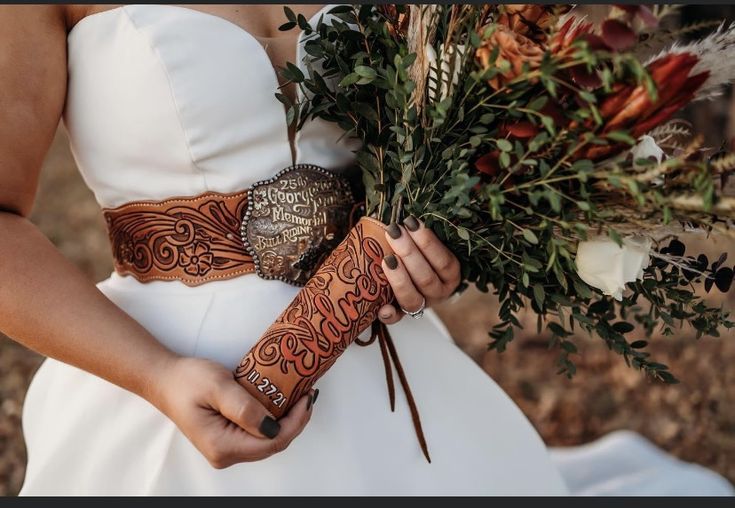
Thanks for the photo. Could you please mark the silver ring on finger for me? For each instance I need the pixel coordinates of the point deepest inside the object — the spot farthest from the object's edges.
(417, 313)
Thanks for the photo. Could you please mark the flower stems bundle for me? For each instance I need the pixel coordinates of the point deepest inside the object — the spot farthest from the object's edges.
(528, 140)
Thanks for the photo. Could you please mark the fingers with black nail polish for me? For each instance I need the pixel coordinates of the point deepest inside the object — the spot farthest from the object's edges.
(312, 399)
(391, 261)
(394, 231)
(411, 223)
(270, 427)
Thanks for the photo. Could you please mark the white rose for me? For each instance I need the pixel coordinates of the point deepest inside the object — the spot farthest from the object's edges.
(446, 84)
(646, 148)
(602, 264)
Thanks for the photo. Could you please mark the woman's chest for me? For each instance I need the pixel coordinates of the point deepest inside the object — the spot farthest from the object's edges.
(165, 100)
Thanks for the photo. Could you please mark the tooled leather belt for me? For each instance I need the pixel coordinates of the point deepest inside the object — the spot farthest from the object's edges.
(194, 239)
(280, 228)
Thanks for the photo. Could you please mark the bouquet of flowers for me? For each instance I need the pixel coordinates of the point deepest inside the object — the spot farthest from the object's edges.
(532, 143)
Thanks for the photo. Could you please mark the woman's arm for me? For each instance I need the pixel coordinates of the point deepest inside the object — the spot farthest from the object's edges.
(48, 305)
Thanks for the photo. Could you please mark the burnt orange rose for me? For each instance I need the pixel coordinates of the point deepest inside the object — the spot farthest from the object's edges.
(514, 49)
(531, 20)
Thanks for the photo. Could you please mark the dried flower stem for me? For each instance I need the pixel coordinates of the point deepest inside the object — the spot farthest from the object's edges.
(420, 33)
(724, 207)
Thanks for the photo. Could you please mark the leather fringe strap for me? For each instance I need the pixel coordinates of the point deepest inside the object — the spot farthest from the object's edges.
(380, 332)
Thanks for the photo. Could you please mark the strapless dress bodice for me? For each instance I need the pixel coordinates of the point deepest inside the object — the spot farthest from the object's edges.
(169, 101)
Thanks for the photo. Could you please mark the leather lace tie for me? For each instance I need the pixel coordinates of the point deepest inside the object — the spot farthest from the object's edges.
(388, 351)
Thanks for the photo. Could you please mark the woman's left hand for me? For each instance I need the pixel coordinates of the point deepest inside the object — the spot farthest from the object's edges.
(422, 268)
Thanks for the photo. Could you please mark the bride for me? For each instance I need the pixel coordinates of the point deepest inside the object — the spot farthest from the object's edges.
(137, 394)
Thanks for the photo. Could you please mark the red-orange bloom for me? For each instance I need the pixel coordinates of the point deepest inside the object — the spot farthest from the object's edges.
(675, 87)
(514, 50)
(631, 108)
(488, 163)
(561, 45)
(569, 32)
(530, 20)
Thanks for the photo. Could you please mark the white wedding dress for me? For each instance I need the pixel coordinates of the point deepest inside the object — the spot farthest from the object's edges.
(167, 101)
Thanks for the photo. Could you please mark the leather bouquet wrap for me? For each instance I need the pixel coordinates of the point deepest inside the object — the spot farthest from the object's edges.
(339, 302)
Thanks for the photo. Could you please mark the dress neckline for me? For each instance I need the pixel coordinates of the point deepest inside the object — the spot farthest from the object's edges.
(232, 24)
(292, 139)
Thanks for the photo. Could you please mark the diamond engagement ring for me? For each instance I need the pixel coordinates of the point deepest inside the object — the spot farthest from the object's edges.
(417, 313)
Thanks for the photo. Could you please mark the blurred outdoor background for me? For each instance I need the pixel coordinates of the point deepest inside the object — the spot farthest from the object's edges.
(694, 420)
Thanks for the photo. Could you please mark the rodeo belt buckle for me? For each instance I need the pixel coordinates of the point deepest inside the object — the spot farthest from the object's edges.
(294, 220)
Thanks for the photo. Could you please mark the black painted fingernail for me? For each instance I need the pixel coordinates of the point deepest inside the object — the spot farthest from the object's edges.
(269, 427)
(394, 231)
(391, 261)
(316, 396)
(411, 223)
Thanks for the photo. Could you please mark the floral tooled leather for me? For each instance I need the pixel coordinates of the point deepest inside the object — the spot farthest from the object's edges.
(194, 240)
(337, 304)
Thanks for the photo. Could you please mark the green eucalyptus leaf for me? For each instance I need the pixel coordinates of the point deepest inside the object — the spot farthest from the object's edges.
(365, 72)
(622, 137)
(504, 145)
(530, 236)
(349, 79)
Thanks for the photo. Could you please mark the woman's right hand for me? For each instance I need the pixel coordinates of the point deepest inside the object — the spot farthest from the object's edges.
(225, 423)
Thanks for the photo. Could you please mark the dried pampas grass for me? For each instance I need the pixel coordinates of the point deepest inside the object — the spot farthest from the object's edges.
(420, 34)
(716, 55)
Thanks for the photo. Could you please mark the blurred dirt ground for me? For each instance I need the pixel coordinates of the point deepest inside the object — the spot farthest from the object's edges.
(694, 420)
